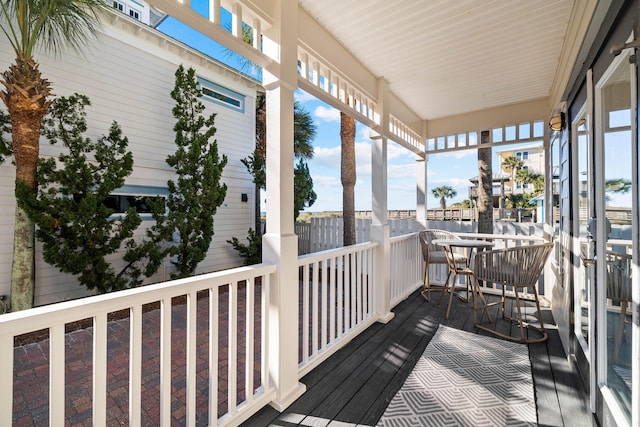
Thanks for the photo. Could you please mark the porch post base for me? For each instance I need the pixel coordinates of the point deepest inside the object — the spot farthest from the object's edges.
(282, 404)
(387, 317)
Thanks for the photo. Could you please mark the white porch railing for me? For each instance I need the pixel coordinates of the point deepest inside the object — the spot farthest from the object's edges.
(336, 300)
(174, 332)
(406, 266)
(199, 338)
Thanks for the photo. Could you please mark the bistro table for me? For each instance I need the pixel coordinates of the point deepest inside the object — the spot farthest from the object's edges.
(456, 270)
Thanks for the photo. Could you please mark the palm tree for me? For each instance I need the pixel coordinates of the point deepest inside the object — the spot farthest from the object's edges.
(348, 178)
(27, 96)
(525, 176)
(485, 185)
(444, 192)
(512, 164)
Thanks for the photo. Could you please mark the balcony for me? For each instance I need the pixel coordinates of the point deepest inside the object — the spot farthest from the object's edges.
(182, 352)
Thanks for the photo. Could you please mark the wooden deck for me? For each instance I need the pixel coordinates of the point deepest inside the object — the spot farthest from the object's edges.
(355, 385)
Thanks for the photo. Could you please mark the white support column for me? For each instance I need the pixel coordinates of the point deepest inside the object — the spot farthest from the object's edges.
(421, 190)
(379, 211)
(280, 243)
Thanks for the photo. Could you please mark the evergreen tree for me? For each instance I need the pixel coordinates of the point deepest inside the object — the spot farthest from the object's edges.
(77, 228)
(304, 196)
(197, 193)
(5, 129)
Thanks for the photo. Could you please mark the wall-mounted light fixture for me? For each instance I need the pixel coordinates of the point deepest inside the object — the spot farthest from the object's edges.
(244, 197)
(557, 122)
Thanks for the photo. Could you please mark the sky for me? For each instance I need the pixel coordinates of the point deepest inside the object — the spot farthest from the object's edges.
(453, 169)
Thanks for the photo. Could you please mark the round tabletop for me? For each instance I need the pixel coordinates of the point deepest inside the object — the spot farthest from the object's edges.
(463, 243)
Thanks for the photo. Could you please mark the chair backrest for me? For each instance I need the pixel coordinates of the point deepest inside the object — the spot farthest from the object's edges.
(618, 276)
(428, 236)
(520, 266)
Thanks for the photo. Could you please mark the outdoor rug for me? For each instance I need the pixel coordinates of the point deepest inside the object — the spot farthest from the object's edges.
(464, 379)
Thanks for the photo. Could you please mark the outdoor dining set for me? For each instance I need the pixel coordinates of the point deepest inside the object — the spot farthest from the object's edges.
(513, 270)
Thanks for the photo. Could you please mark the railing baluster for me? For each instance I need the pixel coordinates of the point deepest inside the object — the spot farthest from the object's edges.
(332, 299)
(323, 301)
(165, 362)
(305, 312)
(56, 375)
(314, 309)
(249, 343)
(214, 317)
(135, 364)
(6, 378)
(232, 385)
(340, 295)
(192, 311)
(100, 369)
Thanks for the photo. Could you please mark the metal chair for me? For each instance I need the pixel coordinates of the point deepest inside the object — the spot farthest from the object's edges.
(433, 254)
(619, 290)
(520, 268)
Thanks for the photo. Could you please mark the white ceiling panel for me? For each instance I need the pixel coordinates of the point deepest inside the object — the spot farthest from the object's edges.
(449, 57)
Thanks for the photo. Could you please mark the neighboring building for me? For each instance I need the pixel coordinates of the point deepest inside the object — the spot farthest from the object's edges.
(533, 158)
(128, 74)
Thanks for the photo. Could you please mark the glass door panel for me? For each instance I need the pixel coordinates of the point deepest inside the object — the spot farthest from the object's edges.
(616, 236)
(584, 210)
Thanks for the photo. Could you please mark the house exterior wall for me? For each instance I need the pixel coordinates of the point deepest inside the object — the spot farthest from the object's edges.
(128, 74)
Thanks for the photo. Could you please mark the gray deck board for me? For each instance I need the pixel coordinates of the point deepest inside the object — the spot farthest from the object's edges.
(355, 385)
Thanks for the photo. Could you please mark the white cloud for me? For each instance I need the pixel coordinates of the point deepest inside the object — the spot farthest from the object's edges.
(462, 154)
(452, 182)
(326, 181)
(303, 96)
(327, 114)
(401, 171)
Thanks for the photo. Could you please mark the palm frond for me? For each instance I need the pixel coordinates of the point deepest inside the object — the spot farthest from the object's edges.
(51, 24)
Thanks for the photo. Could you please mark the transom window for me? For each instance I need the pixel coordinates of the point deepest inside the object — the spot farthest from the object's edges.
(221, 95)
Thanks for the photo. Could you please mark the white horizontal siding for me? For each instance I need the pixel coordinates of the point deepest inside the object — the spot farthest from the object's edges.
(128, 76)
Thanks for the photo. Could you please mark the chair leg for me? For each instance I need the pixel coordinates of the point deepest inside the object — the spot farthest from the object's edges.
(520, 322)
(535, 293)
(446, 287)
(451, 288)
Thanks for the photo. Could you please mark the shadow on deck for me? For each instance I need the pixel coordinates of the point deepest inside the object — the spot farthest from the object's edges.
(355, 385)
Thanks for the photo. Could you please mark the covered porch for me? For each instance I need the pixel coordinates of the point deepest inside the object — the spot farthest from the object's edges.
(273, 338)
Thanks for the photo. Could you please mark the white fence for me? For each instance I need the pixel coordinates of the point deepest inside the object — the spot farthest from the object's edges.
(336, 300)
(326, 233)
(406, 266)
(194, 346)
(169, 335)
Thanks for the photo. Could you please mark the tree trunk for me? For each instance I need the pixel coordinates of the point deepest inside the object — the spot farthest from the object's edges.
(27, 100)
(485, 187)
(348, 178)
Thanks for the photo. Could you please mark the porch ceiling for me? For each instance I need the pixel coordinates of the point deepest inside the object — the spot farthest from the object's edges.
(448, 58)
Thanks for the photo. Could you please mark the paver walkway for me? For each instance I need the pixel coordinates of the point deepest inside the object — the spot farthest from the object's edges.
(31, 369)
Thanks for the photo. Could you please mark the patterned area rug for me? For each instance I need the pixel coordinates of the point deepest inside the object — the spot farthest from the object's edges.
(464, 379)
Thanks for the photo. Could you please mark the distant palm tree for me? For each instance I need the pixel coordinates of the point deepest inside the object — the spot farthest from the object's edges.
(512, 164)
(525, 176)
(444, 192)
(27, 96)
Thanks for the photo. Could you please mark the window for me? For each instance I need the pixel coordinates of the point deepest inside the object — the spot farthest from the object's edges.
(121, 203)
(525, 155)
(519, 155)
(134, 14)
(119, 6)
(135, 196)
(221, 95)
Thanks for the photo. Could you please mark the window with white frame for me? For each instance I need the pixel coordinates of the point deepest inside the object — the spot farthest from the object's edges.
(221, 95)
(119, 6)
